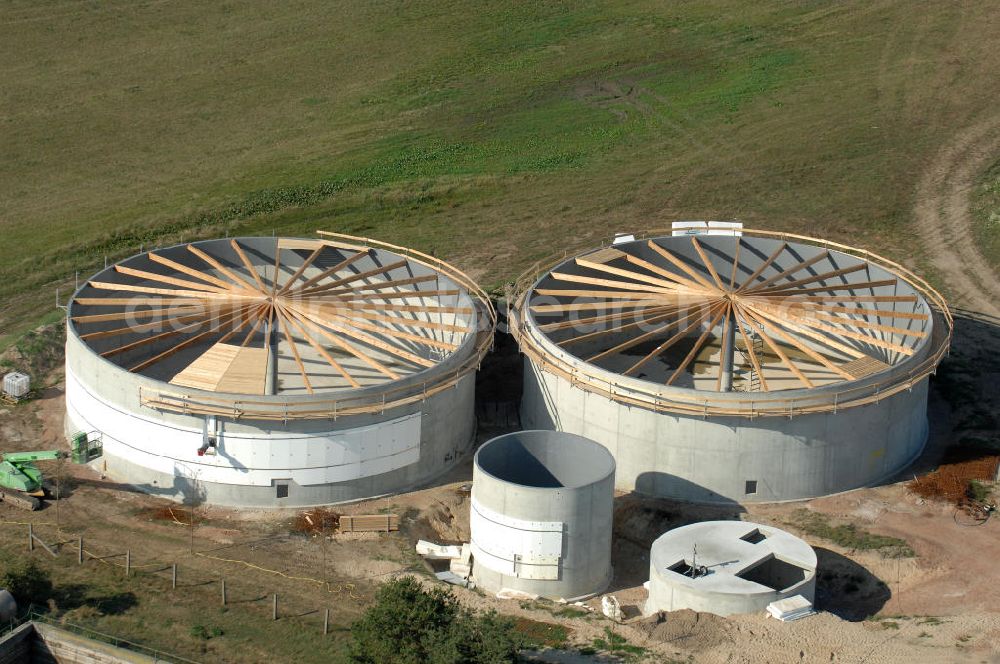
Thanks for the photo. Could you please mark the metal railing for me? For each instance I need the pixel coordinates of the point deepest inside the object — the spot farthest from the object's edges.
(33, 616)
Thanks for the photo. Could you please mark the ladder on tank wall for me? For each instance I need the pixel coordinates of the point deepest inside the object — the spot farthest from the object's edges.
(751, 382)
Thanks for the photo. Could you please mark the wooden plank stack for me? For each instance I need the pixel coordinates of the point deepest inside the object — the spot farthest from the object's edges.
(366, 523)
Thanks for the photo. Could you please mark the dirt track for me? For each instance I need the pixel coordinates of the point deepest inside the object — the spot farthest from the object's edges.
(944, 220)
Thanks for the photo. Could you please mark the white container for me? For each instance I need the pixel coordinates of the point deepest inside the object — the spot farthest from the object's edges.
(16, 384)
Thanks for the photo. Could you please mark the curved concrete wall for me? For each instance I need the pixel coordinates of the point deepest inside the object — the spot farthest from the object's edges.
(713, 459)
(742, 575)
(542, 505)
(270, 462)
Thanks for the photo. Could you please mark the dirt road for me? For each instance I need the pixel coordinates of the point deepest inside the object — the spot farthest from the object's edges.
(944, 220)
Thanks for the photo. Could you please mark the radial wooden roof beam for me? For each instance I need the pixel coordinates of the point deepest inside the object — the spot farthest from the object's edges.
(428, 308)
(859, 311)
(382, 285)
(652, 333)
(628, 274)
(322, 351)
(140, 314)
(146, 327)
(361, 355)
(164, 302)
(294, 350)
(170, 333)
(182, 345)
(302, 268)
(806, 350)
(853, 322)
(190, 271)
(387, 331)
(697, 344)
(594, 306)
(792, 299)
(662, 314)
(824, 339)
(170, 292)
(607, 295)
(259, 313)
(381, 269)
(397, 320)
(347, 262)
(787, 361)
(248, 265)
(400, 295)
(763, 266)
(816, 277)
(736, 262)
(681, 264)
(618, 315)
(667, 274)
(341, 328)
(707, 262)
(237, 280)
(252, 315)
(836, 287)
(610, 283)
(173, 281)
(801, 265)
(840, 332)
(704, 313)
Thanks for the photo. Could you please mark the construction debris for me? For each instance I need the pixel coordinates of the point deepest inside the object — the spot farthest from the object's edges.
(611, 608)
(317, 521)
(950, 482)
(510, 593)
(433, 551)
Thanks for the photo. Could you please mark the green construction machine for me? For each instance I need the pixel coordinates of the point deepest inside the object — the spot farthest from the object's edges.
(20, 478)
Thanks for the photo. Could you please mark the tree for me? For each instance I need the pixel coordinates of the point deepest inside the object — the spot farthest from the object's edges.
(28, 583)
(411, 625)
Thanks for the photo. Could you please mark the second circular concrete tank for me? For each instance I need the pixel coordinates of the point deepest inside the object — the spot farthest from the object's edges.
(541, 514)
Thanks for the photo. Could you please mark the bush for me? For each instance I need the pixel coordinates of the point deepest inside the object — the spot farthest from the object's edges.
(28, 583)
(977, 491)
(410, 625)
(199, 631)
(850, 536)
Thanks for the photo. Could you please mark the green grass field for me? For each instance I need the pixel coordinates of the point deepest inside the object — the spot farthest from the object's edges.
(488, 134)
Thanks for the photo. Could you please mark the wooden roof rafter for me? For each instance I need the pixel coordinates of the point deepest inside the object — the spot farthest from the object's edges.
(722, 308)
(702, 314)
(652, 333)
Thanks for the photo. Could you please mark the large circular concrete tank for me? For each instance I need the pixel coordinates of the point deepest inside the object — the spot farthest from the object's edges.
(746, 367)
(276, 371)
(728, 567)
(541, 514)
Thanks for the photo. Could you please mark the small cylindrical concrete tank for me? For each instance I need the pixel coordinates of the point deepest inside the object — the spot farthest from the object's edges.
(541, 514)
(728, 567)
